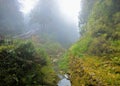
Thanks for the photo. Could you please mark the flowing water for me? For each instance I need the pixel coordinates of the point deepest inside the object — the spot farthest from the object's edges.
(64, 81)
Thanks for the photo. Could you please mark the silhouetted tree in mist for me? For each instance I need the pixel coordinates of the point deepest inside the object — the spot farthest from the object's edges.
(11, 20)
(51, 22)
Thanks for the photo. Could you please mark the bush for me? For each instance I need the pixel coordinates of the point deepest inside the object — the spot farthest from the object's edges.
(21, 65)
(93, 71)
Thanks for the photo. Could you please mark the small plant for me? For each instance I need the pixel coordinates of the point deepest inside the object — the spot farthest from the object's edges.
(116, 60)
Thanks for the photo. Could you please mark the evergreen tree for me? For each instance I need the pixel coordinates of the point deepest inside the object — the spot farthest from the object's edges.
(11, 20)
(48, 19)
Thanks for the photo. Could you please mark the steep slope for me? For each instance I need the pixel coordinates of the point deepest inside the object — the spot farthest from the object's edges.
(95, 59)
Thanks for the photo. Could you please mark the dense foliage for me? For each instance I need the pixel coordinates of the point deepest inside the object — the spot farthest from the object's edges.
(24, 64)
(103, 27)
(94, 71)
(94, 59)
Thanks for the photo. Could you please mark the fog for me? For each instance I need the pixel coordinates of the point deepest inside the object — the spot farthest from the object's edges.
(57, 19)
(11, 19)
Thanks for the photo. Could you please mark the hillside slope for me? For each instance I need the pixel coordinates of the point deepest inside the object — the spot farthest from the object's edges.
(95, 59)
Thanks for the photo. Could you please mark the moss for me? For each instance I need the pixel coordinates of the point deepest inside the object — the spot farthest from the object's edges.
(81, 47)
(94, 71)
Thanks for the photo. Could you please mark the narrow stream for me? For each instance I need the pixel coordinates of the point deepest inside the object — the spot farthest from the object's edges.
(64, 81)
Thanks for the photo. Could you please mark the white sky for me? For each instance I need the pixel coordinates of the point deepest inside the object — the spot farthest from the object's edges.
(27, 5)
(69, 8)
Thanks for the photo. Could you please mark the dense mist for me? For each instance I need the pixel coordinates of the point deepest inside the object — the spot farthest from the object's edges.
(44, 19)
(11, 19)
(59, 42)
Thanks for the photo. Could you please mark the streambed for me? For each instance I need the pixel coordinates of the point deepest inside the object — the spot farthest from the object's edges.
(64, 81)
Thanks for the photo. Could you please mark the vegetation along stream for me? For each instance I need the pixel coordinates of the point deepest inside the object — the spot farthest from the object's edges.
(59, 42)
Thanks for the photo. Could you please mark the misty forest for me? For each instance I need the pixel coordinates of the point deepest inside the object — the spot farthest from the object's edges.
(59, 42)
